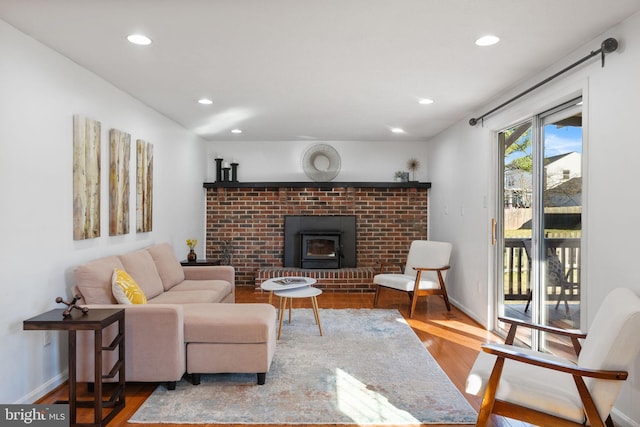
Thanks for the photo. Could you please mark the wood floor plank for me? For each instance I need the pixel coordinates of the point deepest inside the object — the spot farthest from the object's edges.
(452, 338)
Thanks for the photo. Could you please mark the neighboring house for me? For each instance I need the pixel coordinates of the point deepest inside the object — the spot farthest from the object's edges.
(563, 183)
(562, 168)
(517, 188)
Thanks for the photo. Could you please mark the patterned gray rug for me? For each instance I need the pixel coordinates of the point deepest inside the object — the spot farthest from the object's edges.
(368, 368)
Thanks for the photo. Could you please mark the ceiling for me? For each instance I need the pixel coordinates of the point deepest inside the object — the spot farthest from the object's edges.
(327, 70)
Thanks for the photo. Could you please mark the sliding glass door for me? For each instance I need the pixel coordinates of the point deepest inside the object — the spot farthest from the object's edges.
(538, 228)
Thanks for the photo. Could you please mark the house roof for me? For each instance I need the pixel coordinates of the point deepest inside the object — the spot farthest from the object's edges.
(551, 159)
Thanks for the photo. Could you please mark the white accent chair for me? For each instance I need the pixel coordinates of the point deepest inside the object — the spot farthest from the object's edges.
(544, 389)
(424, 273)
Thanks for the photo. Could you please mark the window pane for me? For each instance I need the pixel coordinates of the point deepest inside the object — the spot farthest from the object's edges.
(562, 221)
(516, 145)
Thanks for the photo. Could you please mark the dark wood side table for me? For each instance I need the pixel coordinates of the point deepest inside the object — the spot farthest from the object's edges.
(95, 320)
(200, 262)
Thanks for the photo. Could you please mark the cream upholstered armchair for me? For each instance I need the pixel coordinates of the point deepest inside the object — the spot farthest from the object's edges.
(424, 273)
(544, 389)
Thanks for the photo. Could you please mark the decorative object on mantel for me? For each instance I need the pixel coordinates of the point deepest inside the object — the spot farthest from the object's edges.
(71, 305)
(227, 252)
(413, 165)
(225, 171)
(321, 163)
(401, 176)
(192, 256)
(234, 171)
(218, 160)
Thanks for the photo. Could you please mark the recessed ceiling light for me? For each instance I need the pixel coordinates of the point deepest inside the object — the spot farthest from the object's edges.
(425, 101)
(139, 39)
(205, 101)
(236, 131)
(397, 130)
(487, 40)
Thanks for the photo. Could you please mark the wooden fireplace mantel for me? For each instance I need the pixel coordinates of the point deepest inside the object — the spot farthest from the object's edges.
(303, 184)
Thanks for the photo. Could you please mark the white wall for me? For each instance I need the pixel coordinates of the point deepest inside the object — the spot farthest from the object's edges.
(611, 152)
(282, 161)
(40, 92)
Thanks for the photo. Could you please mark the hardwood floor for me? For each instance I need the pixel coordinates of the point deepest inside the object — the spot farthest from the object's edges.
(451, 337)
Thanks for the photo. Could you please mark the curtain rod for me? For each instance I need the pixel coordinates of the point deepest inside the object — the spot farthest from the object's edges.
(607, 46)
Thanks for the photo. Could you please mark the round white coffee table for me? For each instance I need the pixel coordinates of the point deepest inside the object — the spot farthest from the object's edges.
(284, 283)
(300, 292)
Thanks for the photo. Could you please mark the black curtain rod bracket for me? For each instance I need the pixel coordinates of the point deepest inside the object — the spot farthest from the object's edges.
(607, 46)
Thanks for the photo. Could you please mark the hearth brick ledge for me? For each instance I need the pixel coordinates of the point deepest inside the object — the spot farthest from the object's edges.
(359, 279)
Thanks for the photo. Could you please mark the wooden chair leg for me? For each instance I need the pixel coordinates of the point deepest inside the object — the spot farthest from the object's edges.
(489, 399)
(562, 296)
(444, 291)
(609, 422)
(415, 293)
(529, 296)
(414, 302)
(375, 297)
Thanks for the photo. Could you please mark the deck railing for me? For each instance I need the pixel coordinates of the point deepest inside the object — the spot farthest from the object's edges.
(517, 270)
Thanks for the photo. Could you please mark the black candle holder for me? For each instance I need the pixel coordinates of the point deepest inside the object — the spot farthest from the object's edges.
(225, 174)
(218, 169)
(234, 172)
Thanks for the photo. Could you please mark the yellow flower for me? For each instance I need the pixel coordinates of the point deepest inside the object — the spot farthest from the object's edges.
(192, 243)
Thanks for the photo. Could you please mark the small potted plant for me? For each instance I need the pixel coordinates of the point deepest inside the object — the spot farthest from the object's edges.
(398, 176)
(191, 256)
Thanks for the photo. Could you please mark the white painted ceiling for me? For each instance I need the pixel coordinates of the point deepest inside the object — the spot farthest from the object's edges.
(323, 70)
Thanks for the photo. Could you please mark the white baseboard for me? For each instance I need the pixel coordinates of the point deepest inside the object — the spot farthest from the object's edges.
(466, 311)
(44, 389)
(621, 420)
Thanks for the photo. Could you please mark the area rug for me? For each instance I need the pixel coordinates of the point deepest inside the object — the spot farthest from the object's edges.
(369, 368)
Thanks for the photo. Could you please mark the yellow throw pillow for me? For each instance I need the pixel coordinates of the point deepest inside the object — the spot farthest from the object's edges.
(125, 289)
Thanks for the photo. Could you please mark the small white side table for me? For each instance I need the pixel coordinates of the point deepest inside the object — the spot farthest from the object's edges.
(301, 292)
(286, 283)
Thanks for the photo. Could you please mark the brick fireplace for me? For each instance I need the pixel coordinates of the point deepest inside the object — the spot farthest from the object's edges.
(251, 216)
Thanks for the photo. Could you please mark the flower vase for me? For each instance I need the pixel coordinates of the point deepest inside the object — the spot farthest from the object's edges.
(191, 256)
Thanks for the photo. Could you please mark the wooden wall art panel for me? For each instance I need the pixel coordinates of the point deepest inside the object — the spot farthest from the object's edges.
(144, 186)
(86, 178)
(120, 155)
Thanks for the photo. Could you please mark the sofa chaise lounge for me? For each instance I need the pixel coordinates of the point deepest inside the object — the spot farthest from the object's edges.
(190, 323)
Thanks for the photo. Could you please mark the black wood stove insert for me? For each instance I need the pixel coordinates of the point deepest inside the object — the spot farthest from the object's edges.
(320, 249)
(317, 242)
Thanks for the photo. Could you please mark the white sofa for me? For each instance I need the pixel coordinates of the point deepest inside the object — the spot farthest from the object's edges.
(189, 315)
